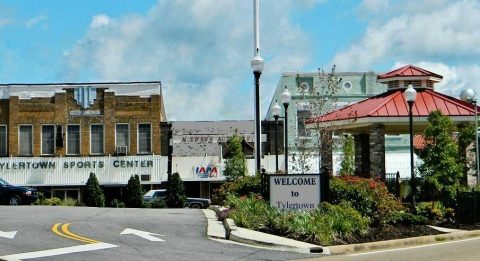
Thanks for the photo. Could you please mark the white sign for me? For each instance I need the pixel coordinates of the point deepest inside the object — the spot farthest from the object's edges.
(85, 113)
(295, 191)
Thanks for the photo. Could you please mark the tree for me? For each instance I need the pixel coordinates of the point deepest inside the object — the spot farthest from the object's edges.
(235, 163)
(347, 166)
(134, 193)
(93, 193)
(440, 169)
(175, 194)
(320, 99)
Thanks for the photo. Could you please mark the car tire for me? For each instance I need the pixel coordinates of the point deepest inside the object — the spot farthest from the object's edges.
(195, 205)
(15, 201)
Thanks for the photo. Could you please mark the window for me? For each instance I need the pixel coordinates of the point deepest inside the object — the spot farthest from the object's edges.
(25, 133)
(144, 138)
(303, 113)
(121, 138)
(302, 116)
(48, 139)
(73, 139)
(3, 140)
(96, 139)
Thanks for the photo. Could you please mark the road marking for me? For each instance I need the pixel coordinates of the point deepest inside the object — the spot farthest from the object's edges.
(144, 234)
(10, 234)
(67, 234)
(59, 251)
(414, 247)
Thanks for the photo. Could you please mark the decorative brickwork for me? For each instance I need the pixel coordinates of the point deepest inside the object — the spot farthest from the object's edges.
(362, 155)
(62, 110)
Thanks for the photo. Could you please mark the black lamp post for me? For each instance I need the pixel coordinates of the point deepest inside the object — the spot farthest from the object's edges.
(257, 67)
(276, 115)
(286, 97)
(410, 96)
(468, 95)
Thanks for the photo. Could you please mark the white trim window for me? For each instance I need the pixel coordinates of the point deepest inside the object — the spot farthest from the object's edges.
(303, 113)
(25, 140)
(96, 139)
(73, 139)
(122, 135)
(48, 139)
(3, 140)
(144, 138)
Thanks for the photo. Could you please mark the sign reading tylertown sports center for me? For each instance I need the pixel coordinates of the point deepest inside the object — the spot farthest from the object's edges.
(295, 191)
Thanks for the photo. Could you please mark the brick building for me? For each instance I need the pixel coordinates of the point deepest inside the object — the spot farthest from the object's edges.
(52, 136)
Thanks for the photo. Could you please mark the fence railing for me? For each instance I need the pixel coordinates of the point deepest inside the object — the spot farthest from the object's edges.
(468, 207)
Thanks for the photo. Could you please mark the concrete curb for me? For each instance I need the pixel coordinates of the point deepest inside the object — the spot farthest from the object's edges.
(346, 249)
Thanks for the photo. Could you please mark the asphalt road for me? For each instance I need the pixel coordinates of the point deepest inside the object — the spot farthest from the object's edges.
(179, 234)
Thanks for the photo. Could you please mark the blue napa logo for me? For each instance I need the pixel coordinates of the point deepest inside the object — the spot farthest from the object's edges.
(206, 172)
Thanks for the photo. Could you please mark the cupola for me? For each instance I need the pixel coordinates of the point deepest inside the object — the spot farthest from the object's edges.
(409, 74)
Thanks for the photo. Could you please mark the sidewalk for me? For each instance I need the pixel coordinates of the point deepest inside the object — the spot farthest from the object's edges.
(228, 230)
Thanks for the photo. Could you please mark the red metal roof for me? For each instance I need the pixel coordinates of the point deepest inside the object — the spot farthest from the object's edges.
(409, 71)
(393, 104)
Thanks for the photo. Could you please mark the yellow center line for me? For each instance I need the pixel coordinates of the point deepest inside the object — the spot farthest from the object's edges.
(67, 234)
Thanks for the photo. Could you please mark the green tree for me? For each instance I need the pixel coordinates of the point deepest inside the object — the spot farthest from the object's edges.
(134, 192)
(93, 193)
(175, 194)
(440, 169)
(347, 166)
(235, 163)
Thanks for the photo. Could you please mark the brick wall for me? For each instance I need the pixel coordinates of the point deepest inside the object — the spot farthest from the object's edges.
(57, 110)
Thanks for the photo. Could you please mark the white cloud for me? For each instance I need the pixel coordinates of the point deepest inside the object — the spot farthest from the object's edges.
(99, 21)
(418, 30)
(36, 20)
(200, 50)
(373, 6)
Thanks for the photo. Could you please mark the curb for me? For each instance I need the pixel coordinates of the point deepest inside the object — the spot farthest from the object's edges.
(347, 249)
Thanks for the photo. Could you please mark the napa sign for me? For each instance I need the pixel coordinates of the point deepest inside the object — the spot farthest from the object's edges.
(295, 191)
(205, 172)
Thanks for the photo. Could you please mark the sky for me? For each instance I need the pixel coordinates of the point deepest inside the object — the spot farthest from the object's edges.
(201, 50)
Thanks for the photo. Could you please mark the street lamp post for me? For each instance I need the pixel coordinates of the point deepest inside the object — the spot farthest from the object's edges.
(286, 97)
(257, 67)
(276, 115)
(468, 95)
(410, 96)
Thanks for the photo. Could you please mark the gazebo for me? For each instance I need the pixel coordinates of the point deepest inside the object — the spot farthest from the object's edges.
(388, 113)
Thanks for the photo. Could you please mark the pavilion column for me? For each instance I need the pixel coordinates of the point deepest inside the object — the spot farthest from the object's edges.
(377, 151)
(327, 154)
(362, 155)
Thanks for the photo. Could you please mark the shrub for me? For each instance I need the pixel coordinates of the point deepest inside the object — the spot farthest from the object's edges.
(370, 197)
(134, 193)
(70, 202)
(431, 210)
(324, 225)
(93, 193)
(158, 203)
(116, 203)
(175, 194)
(243, 186)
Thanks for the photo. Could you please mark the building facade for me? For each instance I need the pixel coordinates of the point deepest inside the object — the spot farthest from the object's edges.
(52, 136)
(199, 150)
(305, 87)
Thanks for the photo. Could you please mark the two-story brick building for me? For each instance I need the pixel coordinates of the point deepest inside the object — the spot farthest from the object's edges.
(52, 136)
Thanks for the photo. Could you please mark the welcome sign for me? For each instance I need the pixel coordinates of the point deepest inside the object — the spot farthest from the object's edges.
(295, 191)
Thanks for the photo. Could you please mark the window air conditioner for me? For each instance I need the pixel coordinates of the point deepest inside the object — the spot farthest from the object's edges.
(122, 150)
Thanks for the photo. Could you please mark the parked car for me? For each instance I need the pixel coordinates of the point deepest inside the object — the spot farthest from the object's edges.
(15, 195)
(155, 194)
